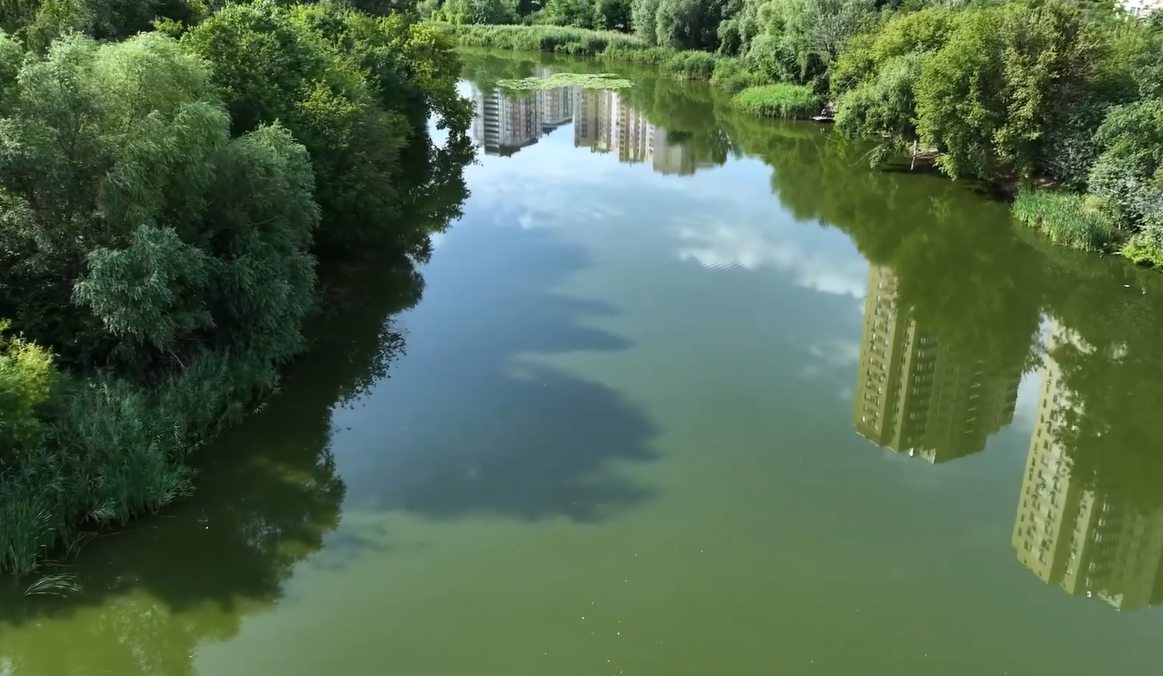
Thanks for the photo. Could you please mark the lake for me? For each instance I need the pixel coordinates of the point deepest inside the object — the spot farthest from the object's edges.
(682, 392)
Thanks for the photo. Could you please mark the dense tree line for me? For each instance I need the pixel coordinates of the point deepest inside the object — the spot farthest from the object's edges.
(171, 175)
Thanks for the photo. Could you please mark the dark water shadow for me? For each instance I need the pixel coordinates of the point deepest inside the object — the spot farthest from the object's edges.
(506, 436)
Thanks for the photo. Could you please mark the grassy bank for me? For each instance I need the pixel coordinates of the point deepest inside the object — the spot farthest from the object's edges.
(723, 72)
(786, 101)
(1067, 219)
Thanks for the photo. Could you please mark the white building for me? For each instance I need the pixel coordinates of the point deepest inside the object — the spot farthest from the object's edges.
(1142, 8)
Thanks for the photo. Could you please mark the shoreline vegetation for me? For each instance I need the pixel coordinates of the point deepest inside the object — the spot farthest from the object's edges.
(1058, 103)
(177, 177)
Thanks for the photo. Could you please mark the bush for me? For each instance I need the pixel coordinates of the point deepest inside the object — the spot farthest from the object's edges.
(478, 11)
(732, 76)
(690, 66)
(778, 100)
(1068, 219)
(28, 380)
(578, 41)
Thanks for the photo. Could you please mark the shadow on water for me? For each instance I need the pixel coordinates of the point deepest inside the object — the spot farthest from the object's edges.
(518, 439)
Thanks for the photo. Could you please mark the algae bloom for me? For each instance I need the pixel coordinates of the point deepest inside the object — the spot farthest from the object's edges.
(557, 80)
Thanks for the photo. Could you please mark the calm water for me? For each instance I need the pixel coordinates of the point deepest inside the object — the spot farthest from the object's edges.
(684, 393)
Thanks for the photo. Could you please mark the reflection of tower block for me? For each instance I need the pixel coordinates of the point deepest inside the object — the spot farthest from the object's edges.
(585, 118)
(506, 123)
(1071, 536)
(916, 395)
(668, 158)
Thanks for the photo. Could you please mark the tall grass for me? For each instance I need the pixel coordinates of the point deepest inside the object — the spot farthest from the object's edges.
(682, 65)
(787, 101)
(558, 39)
(690, 65)
(113, 450)
(1067, 219)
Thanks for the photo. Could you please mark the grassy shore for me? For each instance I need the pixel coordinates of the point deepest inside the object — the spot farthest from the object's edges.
(786, 101)
(1067, 219)
(753, 94)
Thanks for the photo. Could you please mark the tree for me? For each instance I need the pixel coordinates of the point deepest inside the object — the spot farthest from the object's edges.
(643, 18)
(137, 233)
(811, 32)
(578, 13)
(1129, 173)
(272, 65)
(612, 14)
(1007, 77)
(478, 11)
(688, 24)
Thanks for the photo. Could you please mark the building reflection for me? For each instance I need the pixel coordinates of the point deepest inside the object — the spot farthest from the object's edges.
(1070, 535)
(914, 394)
(603, 121)
(606, 123)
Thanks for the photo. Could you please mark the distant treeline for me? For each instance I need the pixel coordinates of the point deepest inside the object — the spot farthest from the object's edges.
(1060, 101)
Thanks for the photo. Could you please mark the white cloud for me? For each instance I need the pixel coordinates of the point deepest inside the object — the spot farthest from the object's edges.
(750, 247)
(837, 352)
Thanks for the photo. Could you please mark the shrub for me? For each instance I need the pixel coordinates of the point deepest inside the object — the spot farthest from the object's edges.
(778, 100)
(28, 380)
(550, 39)
(731, 76)
(1068, 219)
(478, 11)
(690, 65)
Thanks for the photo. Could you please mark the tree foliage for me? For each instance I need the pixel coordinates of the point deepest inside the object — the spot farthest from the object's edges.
(162, 202)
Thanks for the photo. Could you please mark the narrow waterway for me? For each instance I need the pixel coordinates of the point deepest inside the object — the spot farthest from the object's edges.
(682, 392)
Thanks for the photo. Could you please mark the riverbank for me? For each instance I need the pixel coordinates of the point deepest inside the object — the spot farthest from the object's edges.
(967, 78)
(212, 181)
(751, 92)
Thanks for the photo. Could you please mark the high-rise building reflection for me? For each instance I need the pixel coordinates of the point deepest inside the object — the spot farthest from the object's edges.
(603, 121)
(606, 123)
(504, 124)
(916, 395)
(1070, 535)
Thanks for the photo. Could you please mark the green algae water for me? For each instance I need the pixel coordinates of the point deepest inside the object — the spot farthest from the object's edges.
(683, 392)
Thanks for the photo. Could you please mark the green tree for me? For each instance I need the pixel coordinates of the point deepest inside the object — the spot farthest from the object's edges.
(809, 33)
(612, 14)
(1129, 173)
(688, 24)
(1008, 76)
(578, 13)
(272, 65)
(643, 18)
(135, 231)
(479, 11)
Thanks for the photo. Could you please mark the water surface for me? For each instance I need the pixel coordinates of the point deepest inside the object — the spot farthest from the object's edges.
(681, 392)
